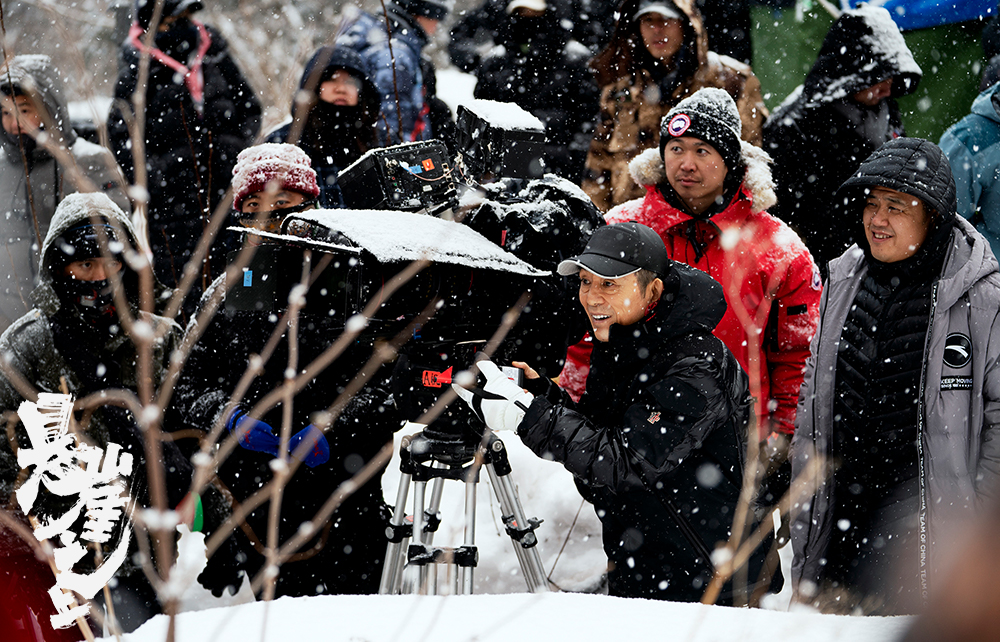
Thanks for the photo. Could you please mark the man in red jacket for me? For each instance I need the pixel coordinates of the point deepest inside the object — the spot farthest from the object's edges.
(706, 192)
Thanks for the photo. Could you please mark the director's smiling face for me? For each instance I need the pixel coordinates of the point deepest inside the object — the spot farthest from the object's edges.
(611, 301)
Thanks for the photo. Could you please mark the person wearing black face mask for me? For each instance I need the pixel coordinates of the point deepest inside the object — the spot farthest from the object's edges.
(333, 117)
(74, 341)
(200, 113)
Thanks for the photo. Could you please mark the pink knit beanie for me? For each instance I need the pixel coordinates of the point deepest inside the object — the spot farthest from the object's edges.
(287, 166)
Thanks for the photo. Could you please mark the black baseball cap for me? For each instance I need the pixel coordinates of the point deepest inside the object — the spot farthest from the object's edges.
(618, 250)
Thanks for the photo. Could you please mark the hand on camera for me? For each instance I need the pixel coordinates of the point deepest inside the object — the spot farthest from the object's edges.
(258, 436)
(501, 403)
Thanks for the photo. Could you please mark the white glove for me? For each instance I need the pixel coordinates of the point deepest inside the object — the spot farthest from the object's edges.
(501, 403)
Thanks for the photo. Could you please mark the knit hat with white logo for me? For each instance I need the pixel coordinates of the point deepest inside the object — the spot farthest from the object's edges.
(709, 115)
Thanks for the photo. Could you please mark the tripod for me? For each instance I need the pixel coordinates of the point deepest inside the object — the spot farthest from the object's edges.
(434, 456)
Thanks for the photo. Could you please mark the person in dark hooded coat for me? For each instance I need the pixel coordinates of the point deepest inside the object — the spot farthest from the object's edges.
(345, 555)
(74, 340)
(845, 110)
(333, 118)
(200, 112)
(391, 43)
(536, 66)
(657, 443)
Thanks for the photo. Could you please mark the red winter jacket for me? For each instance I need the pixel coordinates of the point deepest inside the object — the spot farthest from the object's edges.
(770, 280)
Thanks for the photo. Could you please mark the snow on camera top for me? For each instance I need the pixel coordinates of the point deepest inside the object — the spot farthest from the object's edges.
(405, 236)
(504, 115)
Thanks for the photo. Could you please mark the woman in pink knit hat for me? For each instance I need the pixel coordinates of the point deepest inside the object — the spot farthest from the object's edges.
(271, 181)
(343, 554)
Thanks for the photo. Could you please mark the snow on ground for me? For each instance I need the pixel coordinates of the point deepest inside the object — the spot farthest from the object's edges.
(526, 617)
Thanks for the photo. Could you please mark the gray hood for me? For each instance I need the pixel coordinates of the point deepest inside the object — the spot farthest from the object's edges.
(74, 210)
(35, 76)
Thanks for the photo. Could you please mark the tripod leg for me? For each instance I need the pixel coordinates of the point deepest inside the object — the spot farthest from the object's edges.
(527, 554)
(437, 489)
(395, 554)
(418, 537)
(466, 572)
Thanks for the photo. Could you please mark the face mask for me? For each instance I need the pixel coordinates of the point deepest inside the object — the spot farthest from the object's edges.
(92, 300)
(178, 41)
(21, 140)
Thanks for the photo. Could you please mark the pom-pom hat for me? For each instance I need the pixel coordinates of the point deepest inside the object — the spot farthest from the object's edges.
(284, 166)
(618, 250)
(710, 115)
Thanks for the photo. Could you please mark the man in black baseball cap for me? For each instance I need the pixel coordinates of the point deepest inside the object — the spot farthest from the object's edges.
(621, 272)
(666, 403)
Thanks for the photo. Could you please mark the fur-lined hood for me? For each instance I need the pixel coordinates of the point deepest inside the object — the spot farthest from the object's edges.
(647, 170)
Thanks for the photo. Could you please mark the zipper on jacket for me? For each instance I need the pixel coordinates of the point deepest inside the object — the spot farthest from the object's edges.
(922, 525)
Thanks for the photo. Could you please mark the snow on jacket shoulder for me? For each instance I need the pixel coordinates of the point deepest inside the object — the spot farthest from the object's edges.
(766, 264)
(960, 419)
(972, 146)
(819, 134)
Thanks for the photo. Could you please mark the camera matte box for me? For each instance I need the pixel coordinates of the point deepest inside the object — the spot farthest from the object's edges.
(408, 177)
(500, 146)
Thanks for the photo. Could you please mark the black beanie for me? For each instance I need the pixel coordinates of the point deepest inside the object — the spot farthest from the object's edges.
(709, 115)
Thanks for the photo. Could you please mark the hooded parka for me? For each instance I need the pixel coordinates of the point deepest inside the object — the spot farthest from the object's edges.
(958, 405)
(54, 346)
(392, 55)
(657, 442)
(972, 146)
(333, 136)
(633, 102)
(50, 181)
(820, 134)
(767, 275)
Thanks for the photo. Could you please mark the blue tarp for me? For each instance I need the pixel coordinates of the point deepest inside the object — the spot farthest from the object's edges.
(918, 14)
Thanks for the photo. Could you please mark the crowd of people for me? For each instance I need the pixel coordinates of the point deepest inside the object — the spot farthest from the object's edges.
(806, 293)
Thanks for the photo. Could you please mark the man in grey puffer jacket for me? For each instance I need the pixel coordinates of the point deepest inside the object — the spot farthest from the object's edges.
(901, 396)
(32, 180)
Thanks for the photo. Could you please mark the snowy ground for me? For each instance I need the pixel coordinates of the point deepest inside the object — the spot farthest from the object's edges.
(552, 617)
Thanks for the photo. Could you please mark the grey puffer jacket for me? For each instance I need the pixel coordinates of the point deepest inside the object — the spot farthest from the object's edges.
(49, 181)
(959, 408)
